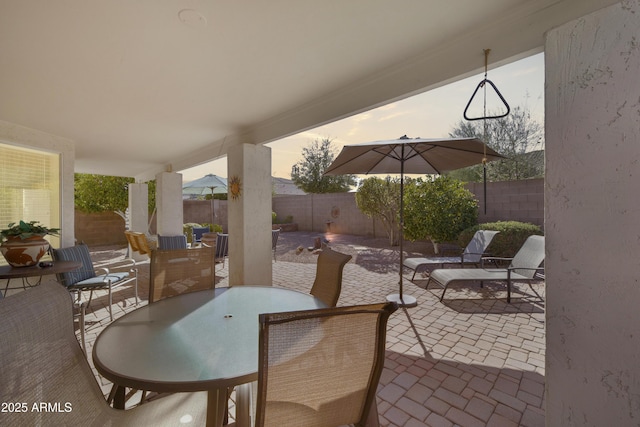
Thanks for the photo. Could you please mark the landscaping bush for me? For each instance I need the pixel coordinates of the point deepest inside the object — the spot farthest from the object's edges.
(510, 239)
(438, 209)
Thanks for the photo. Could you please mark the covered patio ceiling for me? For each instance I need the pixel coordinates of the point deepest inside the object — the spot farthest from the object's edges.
(149, 86)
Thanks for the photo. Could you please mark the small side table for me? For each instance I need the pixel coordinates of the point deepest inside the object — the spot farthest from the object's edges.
(7, 272)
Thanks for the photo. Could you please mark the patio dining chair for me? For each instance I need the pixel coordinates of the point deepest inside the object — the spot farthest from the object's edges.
(274, 241)
(178, 271)
(172, 242)
(525, 266)
(197, 233)
(222, 247)
(472, 254)
(321, 367)
(42, 363)
(328, 282)
(87, 279)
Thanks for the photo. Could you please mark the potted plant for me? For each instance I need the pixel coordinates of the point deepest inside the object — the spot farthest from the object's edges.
(23, 243)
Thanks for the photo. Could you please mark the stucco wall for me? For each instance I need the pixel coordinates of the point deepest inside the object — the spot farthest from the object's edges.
(593, 211)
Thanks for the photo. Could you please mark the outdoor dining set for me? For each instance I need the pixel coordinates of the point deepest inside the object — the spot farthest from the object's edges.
(292, 358)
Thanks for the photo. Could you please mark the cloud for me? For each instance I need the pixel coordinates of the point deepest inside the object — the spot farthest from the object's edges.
(394, 115)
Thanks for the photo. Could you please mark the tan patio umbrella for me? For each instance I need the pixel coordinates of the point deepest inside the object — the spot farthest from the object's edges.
(410, 155)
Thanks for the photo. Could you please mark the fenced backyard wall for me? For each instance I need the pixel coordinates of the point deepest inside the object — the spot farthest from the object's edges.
(104, 228)
(336, 212)
(512, 200)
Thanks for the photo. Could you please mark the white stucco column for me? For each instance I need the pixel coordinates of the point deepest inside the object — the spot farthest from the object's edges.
(138, 213)
(592, 219)
(169, 203)
(250, 215)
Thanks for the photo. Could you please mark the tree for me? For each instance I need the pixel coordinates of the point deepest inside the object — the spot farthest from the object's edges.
(380, 198)
(512, 136)
(307, 174)
(438, 209)
(102, 193)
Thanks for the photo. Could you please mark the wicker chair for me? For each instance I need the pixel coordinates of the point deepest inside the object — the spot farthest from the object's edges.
(177, 271)
(328, 282)
(321, 367)
(42, 363)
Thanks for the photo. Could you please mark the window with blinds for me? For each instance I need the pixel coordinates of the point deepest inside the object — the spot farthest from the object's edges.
(29, 187)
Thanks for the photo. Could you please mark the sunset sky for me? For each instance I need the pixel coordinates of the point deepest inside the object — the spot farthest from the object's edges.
(431, 114)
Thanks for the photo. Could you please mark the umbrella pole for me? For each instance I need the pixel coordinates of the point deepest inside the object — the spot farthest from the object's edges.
(401, 299)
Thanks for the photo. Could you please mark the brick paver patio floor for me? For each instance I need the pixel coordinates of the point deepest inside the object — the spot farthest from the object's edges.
(471, 360)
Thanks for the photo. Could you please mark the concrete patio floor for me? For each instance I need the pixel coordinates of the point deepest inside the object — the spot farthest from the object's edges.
(471, 360)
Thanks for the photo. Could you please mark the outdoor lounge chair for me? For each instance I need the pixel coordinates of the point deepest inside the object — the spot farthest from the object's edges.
(86, 279)
(42, 364)
(472, 254)
(328, 282)
(524, 267)
(321, 367)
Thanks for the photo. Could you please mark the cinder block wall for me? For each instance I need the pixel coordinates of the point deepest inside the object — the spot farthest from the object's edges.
(513, 200)
(199, 211)
(510, 200)
(104, 228)
(335, 212)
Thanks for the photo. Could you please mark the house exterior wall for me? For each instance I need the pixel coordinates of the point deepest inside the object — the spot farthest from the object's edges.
(592, 213)
(31, 138)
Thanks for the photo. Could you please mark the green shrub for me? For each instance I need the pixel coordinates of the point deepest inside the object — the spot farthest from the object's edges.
(274, 218)
(438, 209)
(505, 244)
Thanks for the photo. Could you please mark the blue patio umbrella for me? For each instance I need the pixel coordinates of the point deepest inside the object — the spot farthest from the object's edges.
(208, 184)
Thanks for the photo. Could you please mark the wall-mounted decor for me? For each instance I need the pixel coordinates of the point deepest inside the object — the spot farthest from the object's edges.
(235, 187)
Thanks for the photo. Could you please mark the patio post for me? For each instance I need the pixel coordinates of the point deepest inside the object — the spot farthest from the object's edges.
(249, 212)
(169, 203)
(138, 212)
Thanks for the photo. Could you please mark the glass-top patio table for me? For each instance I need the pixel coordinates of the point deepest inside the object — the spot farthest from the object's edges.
(205, 340)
